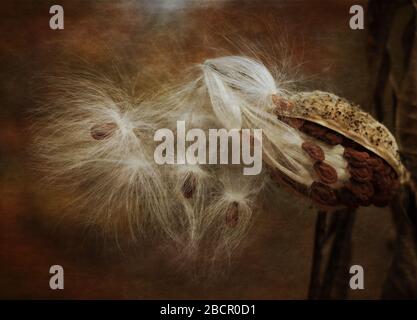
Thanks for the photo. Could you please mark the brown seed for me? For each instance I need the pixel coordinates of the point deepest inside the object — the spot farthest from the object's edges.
(363, 191)
(313, 150)
(232, 215)
(313, 130)
(381, 181)
(376, 164)
(356, 158)
(189, 186)
(360, 174)
(323, 194)
(332, 138)
(283, 105)
(347, 198)
(326, 172)
(102, 131)
(296, 123)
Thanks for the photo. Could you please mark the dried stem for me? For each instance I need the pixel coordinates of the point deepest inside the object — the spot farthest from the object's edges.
(329, 273)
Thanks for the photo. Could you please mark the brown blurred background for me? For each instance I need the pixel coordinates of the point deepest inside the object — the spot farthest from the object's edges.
(152, 40)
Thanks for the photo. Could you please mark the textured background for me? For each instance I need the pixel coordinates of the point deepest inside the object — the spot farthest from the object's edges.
(156, 38)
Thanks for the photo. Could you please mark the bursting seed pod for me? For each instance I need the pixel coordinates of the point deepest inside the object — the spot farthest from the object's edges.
(374, 170)
(95, 140)
(316, 143)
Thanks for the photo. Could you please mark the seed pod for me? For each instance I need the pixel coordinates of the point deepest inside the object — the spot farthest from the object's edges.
(326, 172)
(323, 194)
(369, 149)
(232, 215)
(102, 131)
(313, 150)
(339, 115)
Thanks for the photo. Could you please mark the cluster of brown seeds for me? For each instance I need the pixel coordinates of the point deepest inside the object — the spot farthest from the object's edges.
(372, 180)
(344, 116)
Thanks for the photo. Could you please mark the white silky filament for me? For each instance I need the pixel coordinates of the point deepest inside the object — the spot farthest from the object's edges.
(92, 139)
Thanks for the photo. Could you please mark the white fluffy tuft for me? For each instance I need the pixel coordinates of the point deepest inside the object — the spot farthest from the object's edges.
(95, 140)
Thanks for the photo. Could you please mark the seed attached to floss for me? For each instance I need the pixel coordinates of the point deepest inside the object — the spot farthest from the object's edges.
(189, 186)
(313, 150)
(102, 131)
(232, 215)
(372, 180)
(326, 172)
(323, 194)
